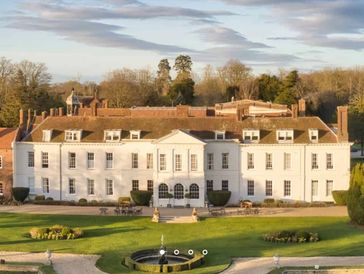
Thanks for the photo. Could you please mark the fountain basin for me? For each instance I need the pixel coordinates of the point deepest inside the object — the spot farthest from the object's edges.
(147, 260)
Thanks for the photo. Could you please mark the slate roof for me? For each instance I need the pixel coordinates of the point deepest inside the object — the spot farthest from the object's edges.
(203, 128)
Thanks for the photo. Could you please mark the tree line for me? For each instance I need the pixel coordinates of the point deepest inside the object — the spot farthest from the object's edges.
(28, 85)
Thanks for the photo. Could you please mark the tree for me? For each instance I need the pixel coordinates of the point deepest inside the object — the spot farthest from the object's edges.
(356, 128)
(249, 89)
(9, 114)
(269, 87)
(163, 80)
(231, 75)
(183, 67)
(209, 90)
(287, 96)
(355, 200)
(182, 92)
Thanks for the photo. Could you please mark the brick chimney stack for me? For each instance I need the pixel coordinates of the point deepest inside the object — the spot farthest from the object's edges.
(302, 107)
(294, 109)
(51, 112)
(60, 111)
(21, 117)
(342, 123)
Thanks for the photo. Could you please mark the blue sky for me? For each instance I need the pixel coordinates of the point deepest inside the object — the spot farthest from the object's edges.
(87, 39)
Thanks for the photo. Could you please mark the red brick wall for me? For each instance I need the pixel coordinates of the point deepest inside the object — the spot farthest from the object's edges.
(6, 172)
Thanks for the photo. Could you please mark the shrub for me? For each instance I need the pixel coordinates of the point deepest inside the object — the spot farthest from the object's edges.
(269, 201)
(20, 193)
(94, 202)
(56, 232)
(340, 196)
(218, 197)
(49, 199)
(82, 201)
(39, 198)
(124, 200)
(355, 198)
(291, 237)
(141, 197)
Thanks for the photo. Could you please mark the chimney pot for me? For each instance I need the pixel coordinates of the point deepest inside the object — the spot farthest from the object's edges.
(21, 117)
(342, 123)
(51, 112)
(302, 107)
(294, 109)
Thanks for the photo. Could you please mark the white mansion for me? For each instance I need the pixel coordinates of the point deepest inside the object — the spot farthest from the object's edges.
(255, 150)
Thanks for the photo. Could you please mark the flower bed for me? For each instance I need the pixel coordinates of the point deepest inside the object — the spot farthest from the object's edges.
(56, 232)
(291, 237)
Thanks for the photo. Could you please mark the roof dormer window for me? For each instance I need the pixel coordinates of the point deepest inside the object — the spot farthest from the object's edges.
(47, 135)
(135, 134)
(112, 135)
(251, 135)
(219, 135)
(73, 135)
(314, 135)
(285, 136)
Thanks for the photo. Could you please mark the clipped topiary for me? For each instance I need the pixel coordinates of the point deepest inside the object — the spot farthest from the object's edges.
(340, 196)
(20, 193)
(82, 201)
(141, 197)
(355, 200)
(218, 197)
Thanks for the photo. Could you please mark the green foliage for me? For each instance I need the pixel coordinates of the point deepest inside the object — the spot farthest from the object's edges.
(124, 200)
(141, 197)
(269, 87)
(182, 92)
(82, 201)
(340, 197)
(291, 237)
(269, 201)
(20, 193)
(355, 199)
(183, 66)
(218, 197)
(56, 232)
(39, 198)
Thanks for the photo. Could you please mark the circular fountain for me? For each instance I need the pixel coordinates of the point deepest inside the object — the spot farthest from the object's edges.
(164, 260)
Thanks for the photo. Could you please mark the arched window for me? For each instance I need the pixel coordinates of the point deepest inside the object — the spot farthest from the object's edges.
(163, 191)
(178, 191)
(194, 191)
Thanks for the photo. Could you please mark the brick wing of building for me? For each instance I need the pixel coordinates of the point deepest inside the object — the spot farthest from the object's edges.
(255, 150)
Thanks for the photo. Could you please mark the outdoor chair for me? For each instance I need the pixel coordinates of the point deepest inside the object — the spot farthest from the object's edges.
(103, 210)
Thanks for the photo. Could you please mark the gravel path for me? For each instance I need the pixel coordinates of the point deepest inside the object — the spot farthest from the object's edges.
(62, 263)
(264, 265)
(265, 212)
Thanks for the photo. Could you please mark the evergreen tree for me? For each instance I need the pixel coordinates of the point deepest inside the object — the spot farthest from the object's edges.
(163, 80)
(269, 87)
(355, 200)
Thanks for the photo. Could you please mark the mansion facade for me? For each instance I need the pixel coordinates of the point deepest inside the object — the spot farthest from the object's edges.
(100, 153)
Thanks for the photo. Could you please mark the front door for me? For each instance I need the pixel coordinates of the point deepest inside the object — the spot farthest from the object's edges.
(179, 195)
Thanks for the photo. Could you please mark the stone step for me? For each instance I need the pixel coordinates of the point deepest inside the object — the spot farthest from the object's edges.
(176, 219)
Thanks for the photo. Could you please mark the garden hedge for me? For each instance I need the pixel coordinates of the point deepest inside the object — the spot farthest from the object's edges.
(218, 197)
(291, 237)
(20, 193)
(141, 197)
(56, 232)
(355, 200)
(340, 197)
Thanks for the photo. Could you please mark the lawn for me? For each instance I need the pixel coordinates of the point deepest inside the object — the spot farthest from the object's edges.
(115, 237)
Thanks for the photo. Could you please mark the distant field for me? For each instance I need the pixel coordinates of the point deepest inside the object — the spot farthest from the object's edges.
(116, 237)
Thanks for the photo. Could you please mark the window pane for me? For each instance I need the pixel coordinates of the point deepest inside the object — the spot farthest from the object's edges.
(268, 188)
(135, 185)
(210, 161)
(194, 191)
(193, 162)
(163, 191)
(287, 188)
(178, 162)
(150, 185)
(178, 192)
(225, 160)
(149, 160)
(134, 160)
(162, 162)
(209, 185)
(314, 188)
(250, 188)
(329, 187)
(225, 185)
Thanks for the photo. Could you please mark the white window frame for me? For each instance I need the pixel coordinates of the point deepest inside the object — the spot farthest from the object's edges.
(219, 135)
(150, 185)
(268, 188)
(109, 187)
(45, 159)
(329, 189)
(31, 184)
(72, 135)
(287, 188)
(225, 160)
(149, 160)
(314, 161)
(134, 134)
(250, 160)
(194, 162)
(46, 135)
(90, 187)
(225, 185)
(314, 135)
(45, 185)
(72, 159)
(268, 161)
(285, 135)
(134, 160)
(30, 158)
(112, 135)
(315, 190)
(210, 161)
(329, 161)
(135, 185)
(109, 162)
(162, 162)
(90, 162)
(71, 186)
(287, 161)
(251, 135)
(177, 162)
(209, 185)
(250, 188)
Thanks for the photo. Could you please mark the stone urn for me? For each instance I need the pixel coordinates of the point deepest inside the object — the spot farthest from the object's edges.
(156, 215)
(194, 215)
